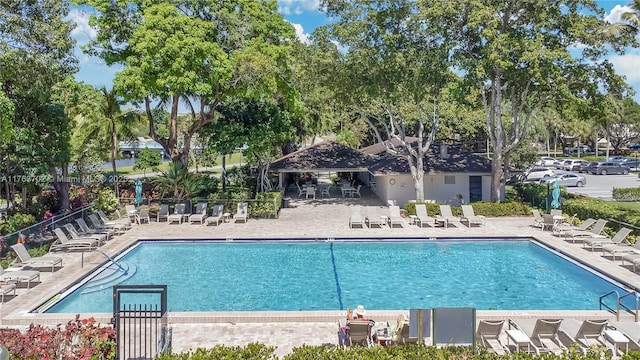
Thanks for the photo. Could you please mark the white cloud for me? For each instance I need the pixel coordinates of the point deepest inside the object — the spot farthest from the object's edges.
(617, 11)
(297, 7)
(83, 32)
(628, 65)
(302, 36)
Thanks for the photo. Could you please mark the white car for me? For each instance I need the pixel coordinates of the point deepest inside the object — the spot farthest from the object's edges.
(546, 161)
(574, 165)
(537, 172)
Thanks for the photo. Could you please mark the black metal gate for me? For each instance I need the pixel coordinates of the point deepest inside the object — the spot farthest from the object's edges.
(140, 320)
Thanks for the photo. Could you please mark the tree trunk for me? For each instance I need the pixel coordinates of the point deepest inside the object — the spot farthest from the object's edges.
(113, 156)
(417, 173)
(61, 185)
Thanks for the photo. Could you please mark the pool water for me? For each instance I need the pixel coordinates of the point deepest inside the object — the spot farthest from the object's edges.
(311, 275)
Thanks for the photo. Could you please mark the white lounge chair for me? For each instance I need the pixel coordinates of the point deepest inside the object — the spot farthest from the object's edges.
(356, 217)
(543, 334)
(75, 235)
(65, 243)
(488, 333)
(617, 249)
(122, 223)
(422, 217)
(200, 214)
(599, 243)
(217, 214)
(595, 231)
(178, 214)
(25, 259)
(20, 276)
(242, 213)
(469, 216)
(143, 215)
(373, 219)
(6, 290)
(560, 229)
(537, 218)
(446, 216)
(394, 216)
(587, 333)
(87, 230)
(101, 227)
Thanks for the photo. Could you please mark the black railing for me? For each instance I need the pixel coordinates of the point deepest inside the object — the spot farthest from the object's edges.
(141, 328)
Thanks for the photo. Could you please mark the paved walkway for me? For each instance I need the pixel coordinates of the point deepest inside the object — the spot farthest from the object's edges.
(316, 219)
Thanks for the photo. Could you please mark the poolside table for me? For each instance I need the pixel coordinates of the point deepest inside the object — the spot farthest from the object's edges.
(519, 338)
(618, 339)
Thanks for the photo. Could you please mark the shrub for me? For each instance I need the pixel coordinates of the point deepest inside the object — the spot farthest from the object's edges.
(626, 194)
(252, 351)
(106, 201)
(79, 339)
(490, 209)
(267, 204)
(16, 222)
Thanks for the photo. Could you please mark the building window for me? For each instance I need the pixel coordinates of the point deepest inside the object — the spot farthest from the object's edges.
(449, 180)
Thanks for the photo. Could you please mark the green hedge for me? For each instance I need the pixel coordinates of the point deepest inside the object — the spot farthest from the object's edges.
(489, 209)
(626, 194)
(261, 352)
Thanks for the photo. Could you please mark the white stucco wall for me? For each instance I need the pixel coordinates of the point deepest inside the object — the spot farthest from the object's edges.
(434, 188)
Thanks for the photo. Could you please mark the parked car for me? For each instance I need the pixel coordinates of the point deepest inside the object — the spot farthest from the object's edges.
(566, 179)
(546, 161)
(573, 165)
(631, 163)
(584, 168)
(537, 172)
(559, 164)
(616, 158)
(575, 150)
(608, 167)
(635, 146)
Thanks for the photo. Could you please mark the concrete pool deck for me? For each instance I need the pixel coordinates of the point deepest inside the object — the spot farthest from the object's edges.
(310, 219)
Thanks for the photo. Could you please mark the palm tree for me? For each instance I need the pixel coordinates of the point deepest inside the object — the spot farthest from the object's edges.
(106, 123)
(178, 182)
(631, 19)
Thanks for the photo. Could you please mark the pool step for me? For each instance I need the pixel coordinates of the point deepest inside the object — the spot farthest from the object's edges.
(110, 276)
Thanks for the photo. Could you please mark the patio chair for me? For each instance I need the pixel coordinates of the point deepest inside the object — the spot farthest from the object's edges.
(547, 222)
(595, 231)
(242, 213)
(6, 289)
(143, 215)
(585, 333)
(542, 333)
(359, 332)
(89, 231)
(131, 211)
(75, 235)
(200, 215)
(124, 223)
(216, 215)
(163, 213)
(356, 217)
(598, 243)
(23, 276)
(310, 191)
(560, 229)
(372, 218)
(446, 216)
(394, 216)
(622, 247)
(488, 332)
(178, 214)
(422, 217)
(301, 191)
(98, 226)
(64, 243)
(325, 190)
(537, 218)
(357, 191)
(469, 216)
(25, 259)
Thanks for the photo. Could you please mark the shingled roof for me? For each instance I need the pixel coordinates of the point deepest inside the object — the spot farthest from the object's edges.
(458, 160)
(323, 156)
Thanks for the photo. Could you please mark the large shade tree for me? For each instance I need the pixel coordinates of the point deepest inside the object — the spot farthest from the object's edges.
(36, 53)
(194, 52)
(522, 55)
(394, 71)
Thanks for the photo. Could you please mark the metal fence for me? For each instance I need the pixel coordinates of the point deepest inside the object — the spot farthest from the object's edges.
(140, 321)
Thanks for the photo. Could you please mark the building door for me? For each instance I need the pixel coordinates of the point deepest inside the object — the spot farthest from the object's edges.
(475, 188)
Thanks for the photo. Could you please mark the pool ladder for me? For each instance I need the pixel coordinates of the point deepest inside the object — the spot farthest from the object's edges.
(619, 305)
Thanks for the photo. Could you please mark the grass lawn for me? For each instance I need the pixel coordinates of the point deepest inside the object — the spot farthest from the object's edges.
(233, 159)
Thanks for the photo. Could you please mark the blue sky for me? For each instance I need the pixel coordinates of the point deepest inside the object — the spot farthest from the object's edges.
(305, 17)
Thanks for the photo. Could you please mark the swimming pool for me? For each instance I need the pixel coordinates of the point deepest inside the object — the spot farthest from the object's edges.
(312, 275)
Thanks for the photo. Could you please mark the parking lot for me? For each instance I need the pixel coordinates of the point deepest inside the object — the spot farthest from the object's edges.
(601, 186)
